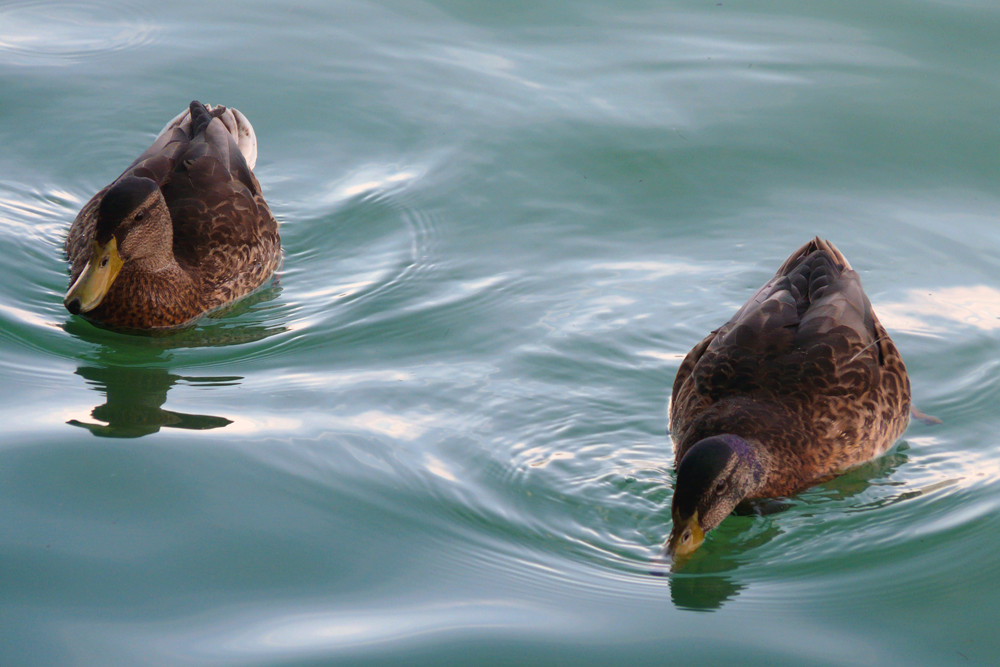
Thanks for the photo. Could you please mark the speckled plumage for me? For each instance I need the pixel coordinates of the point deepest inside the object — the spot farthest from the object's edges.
(225, 240)
(804, 372)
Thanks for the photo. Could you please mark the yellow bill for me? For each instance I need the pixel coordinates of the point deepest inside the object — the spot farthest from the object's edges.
(90, 288)
(685, 537)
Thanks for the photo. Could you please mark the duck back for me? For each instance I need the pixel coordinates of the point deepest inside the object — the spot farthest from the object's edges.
(804, 369)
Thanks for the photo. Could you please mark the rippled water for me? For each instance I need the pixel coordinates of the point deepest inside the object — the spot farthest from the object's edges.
(439, 438)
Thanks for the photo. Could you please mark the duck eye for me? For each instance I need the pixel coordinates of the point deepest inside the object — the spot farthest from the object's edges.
(686, 535)
(140, 215)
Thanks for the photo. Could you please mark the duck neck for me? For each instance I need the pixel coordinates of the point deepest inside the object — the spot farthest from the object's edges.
(149, 248)
(753, 460)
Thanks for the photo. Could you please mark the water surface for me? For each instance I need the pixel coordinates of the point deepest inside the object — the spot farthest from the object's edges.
(440, 437)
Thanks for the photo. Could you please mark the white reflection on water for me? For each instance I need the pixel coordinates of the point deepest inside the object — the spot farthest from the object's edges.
(394, 426)
(29, 214)
(259, 424)
(341, 379)
(62, 33)
(370, 179)
(481, 62)
(939, 468)
(662, 356)
(340, 629)
(304, 633)
(357, 283)
(648, 270)
(437, 467)
(540, 457)
(935, 313)
(398, 427)
(27, 316)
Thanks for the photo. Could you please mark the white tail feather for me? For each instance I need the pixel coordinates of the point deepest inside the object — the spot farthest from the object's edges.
(235, 123)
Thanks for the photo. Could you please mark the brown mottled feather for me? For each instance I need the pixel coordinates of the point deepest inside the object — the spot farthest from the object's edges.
(225, 239)
(804, 371)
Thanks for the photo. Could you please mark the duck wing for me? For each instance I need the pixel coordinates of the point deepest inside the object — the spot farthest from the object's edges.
(220, 218)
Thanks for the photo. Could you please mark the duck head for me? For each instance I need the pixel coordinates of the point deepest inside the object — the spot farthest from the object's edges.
(714, 476)
(133, 227)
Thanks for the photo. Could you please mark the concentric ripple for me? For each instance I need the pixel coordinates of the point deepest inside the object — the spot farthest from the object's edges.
(63, 33)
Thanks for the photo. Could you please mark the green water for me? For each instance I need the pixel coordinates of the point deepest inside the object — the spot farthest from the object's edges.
(440, 437)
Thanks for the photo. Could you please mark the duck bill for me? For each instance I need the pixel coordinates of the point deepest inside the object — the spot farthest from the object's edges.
(87, 292)
(685, 537)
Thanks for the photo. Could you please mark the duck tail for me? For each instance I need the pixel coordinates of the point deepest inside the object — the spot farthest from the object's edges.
(200, 117)
(834, 252)
(816, 245)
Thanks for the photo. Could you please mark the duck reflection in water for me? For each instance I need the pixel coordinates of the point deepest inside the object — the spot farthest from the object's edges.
(705, 581)
(137, 389)
(134, 401)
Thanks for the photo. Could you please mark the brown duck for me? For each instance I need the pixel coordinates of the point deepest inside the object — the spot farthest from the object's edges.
(183, 231)
(802, 383)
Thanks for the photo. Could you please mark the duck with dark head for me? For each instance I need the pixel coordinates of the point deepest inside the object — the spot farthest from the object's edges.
(183, 231)
(801, 384)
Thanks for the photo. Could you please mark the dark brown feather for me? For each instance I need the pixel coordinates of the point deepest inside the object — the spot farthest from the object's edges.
(804, 371)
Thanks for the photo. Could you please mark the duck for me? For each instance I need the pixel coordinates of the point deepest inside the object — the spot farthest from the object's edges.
(183, 231)
(801, 384)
